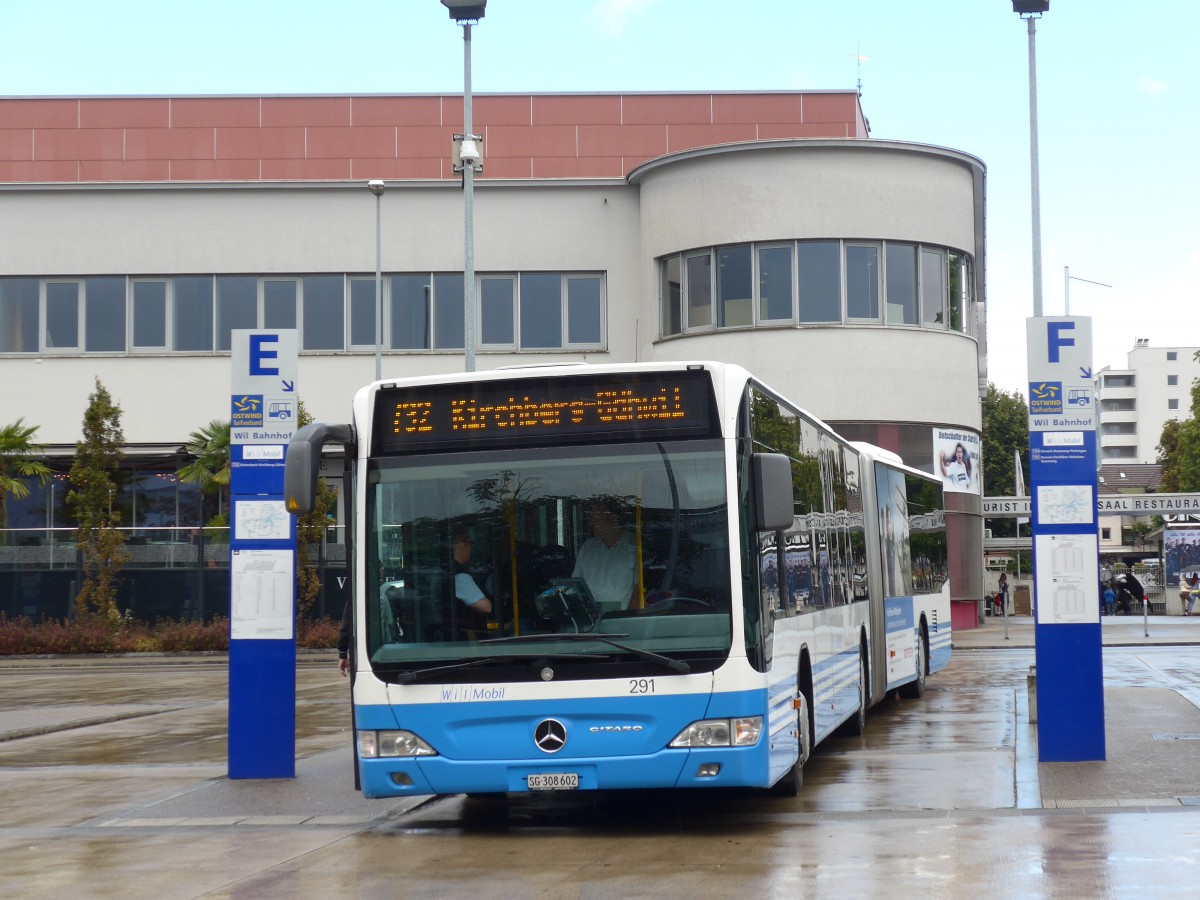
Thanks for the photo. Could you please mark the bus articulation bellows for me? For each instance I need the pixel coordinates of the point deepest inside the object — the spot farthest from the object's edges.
(689, 581)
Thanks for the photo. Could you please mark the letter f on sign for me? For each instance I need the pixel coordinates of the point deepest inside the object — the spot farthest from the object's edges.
(1055, 339)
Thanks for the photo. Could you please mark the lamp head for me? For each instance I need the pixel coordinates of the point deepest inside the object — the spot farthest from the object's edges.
(376, 187)
(1020, 7)
(465, 10)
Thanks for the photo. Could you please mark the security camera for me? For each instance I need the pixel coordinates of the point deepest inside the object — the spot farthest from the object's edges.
(469, 153)
(376, 186)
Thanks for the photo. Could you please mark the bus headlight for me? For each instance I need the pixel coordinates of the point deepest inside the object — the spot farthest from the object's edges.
(743, 732)
(375, 744)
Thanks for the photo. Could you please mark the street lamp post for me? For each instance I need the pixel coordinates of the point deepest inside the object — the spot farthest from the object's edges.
(377, 188)
(1030, 11)
(464, 12)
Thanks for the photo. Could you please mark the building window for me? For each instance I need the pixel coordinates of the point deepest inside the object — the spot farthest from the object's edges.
(960, 293)
(1123, 405)
(63, 311)
(1172, 356)
(19, 315)
(862, 282)
(237, 307)
(901, 283)
(558, 311)
(541, 311)
(449, 331)
(150, 315)
(335, 312)
(104, 317)
(819, 276)
(279, 304)
(410, 309)
(698, 290)
(1172, 380)
(322, 321)
(497, 312)
(933, 287)
(814, 283)
(1118, 381)
(671, 296)
(735, 287)
(1172, 404)
(192, 322)
(585, 311)
(1105, 534)
(775, 284)
(362, 312)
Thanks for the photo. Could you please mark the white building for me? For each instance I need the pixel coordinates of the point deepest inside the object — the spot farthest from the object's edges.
(763, 229)
(1136, 401)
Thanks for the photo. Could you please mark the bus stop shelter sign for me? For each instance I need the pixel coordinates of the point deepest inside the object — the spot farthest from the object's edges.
(262, 405)
(1062, 469)
(262, 640)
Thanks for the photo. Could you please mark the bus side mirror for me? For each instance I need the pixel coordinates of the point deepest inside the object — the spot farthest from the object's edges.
(773, 501)
(302, 465)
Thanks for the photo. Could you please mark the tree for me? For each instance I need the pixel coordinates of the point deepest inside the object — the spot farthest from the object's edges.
(1139, 530)
(17, 450)
(90, 499)
(1179, 449)
(310, 530)
(1005, 431)
(211, 467)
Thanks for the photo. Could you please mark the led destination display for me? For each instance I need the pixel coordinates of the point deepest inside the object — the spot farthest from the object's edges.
(648, 406)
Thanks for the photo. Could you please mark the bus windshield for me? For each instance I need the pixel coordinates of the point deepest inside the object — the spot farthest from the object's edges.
(510, 555)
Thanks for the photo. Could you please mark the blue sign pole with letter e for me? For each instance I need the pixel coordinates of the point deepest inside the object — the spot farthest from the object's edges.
(1066, 559)
(262, 557)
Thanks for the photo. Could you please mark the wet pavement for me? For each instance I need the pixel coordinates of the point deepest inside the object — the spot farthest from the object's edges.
(112, 783)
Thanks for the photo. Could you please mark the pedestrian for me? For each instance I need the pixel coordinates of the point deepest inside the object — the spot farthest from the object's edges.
(1193, 591)
(1110, 600)
(1185, 593)
(1129, 592)
(343, 644)
(1004, 592)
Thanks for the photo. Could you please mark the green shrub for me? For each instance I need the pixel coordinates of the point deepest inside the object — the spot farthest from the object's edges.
(100, 634)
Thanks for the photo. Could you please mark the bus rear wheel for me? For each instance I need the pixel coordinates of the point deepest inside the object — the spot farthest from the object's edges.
(915, 690)
(857, 723)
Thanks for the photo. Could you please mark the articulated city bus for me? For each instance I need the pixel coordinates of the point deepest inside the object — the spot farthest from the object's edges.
(642, 576)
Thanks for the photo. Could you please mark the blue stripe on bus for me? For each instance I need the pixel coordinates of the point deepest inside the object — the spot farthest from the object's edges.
(614, 742)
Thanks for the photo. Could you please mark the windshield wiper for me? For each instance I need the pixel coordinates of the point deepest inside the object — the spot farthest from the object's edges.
(675, 665)
(411, 675)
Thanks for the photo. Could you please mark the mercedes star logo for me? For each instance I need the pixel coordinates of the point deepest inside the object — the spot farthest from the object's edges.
(550, 735)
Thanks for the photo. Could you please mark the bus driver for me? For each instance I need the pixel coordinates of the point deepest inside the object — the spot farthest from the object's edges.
(465, 588)
(607, 560)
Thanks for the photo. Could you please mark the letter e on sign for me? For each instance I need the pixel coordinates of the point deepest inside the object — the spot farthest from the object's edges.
(264, 347)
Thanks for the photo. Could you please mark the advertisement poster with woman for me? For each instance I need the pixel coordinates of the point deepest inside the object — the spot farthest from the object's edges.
(956, 460)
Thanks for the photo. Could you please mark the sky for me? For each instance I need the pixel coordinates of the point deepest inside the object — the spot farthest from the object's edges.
(1116, 95)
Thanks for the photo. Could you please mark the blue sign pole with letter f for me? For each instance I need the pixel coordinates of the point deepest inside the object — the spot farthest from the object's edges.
(1062, 470)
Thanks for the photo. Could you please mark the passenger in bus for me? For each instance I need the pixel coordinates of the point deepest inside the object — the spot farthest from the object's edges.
(465, 588)
(606, 561)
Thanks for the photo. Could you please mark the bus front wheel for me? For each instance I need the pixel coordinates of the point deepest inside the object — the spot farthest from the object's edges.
(793, 780)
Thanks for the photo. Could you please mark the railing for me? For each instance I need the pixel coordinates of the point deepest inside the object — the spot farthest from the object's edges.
(169, 572)
(146, 548)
